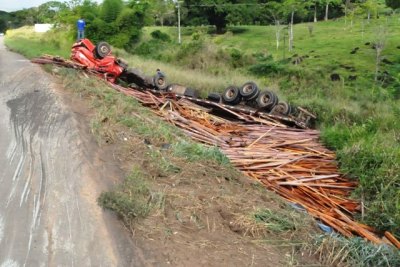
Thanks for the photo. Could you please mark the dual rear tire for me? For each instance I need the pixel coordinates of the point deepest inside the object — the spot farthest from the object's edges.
(252, 96)
(234, 95)
(267, 100)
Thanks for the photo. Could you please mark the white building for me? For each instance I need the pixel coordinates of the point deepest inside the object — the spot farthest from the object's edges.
(43, 27)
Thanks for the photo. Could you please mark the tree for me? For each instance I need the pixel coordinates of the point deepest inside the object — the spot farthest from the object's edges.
(315, 4)
(351, 9)
(246, 13)
(394, 4)
(292, 6)
(110, 10)
(4, 19)
(72, 4)
(47, 12)
(3, 25)
(24, 17)
(327, 5)
(219, 12)
(372, 7)
(162, 10)
(277, 14)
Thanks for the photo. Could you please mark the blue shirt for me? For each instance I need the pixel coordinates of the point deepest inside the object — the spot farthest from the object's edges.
(81, 24)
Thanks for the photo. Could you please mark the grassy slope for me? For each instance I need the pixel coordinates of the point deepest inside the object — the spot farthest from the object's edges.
(361, 127)
(331, 40)
(41, 43)
(358, 118)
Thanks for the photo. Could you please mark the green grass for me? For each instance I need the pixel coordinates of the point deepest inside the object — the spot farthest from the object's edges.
(274, 221)
(120, 199)
(194, 152)
(335, 250)
(39, 43)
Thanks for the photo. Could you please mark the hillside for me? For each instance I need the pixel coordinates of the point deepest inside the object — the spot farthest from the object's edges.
(332, 72)
(358, 117)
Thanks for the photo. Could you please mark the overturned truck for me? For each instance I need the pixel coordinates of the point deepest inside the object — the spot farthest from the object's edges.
(247, 98)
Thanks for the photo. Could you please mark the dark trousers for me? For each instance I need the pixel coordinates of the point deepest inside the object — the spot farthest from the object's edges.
(81, 34)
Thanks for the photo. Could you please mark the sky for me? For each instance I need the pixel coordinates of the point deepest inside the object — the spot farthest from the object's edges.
(13, 5)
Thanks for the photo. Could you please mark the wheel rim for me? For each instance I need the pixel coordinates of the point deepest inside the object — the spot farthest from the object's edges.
(160, 81)
(247, 89)
(281, 108)
(104, 49)
(230, 93)
(265, 99)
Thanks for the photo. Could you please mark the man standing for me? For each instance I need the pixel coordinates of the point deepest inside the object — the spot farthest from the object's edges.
(81, 28)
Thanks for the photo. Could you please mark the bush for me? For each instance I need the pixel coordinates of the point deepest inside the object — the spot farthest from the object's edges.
(263, 69)
(336, 137)
(151, 49)
(236, 57)
(119, 40)
(238, 30)
(159, 35)
(189, 49)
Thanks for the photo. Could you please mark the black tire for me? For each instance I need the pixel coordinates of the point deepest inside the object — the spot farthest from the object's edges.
(282, 108)
(293, 111)
(231, 96)
(266, 100)
(214, 97)
(160, 81)
(122, 63)
(102, 50)
(249, 91)
(135, 76)
(190, 92)
(176, 89)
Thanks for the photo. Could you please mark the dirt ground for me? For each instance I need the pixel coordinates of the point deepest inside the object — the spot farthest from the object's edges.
(203, 218)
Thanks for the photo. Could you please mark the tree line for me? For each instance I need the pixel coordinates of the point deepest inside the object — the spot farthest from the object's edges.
(119, 22)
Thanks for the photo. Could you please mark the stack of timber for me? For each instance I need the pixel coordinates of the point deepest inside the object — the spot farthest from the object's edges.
(291, 162)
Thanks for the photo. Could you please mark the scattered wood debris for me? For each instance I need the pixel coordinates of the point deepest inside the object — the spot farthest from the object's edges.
(292, 162)
(289, 161)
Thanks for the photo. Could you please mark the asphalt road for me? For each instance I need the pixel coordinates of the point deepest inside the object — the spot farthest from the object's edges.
(49, 180)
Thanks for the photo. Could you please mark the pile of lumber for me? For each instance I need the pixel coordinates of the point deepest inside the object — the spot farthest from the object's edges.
(291, 162)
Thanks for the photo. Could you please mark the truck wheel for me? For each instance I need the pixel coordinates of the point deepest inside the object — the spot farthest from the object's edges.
(293, 110)
(214, 97)
(282, 108)
(132, 75)
(190, 92)
(102, 50)
(122, 63)
(249, 91)
(231, 96)
(266, 100)
(160, 81)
